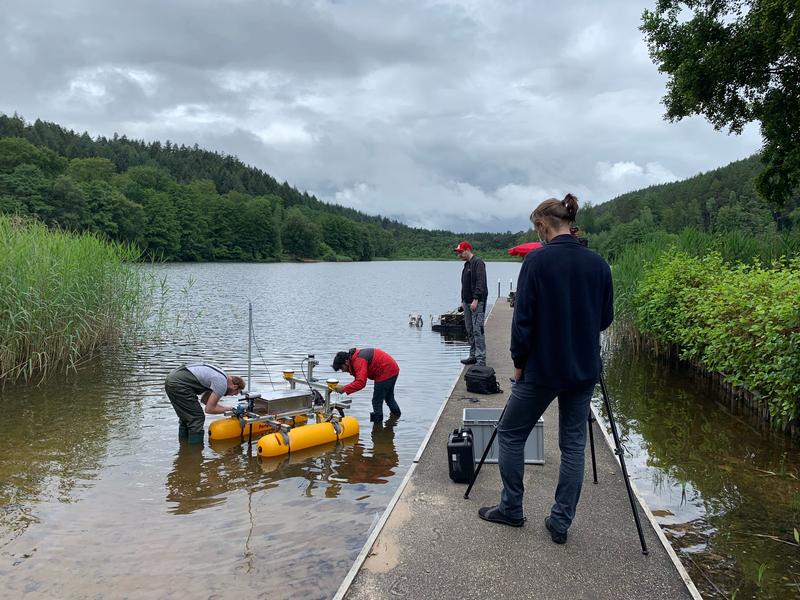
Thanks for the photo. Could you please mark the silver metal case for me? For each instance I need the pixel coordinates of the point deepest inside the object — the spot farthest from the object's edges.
(284, 401)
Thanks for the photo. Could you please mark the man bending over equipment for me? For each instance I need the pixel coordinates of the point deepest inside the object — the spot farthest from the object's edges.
(375, 364)
(210, 383)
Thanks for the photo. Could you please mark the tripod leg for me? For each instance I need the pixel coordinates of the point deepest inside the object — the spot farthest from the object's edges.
(591, 444)
(485, 454)
(621, 456)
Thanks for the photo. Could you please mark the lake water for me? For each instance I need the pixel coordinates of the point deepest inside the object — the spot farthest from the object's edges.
(725, 490)
(98, 495)
(99, 499)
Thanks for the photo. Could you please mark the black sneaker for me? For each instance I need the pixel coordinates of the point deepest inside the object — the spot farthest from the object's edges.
(559, 537)
(493, 515)
(469, 361)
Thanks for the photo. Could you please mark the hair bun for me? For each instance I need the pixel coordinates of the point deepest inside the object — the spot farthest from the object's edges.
(570, 203)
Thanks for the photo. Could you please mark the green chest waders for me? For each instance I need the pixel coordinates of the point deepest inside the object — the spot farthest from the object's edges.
(182, 389)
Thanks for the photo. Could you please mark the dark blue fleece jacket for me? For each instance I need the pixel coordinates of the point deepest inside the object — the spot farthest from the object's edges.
(564, 300)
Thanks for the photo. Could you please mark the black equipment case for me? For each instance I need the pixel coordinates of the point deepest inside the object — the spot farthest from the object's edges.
(461, 455)
(481, 380)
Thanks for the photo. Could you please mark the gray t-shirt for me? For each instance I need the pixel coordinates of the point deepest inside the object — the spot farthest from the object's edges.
(210, 376)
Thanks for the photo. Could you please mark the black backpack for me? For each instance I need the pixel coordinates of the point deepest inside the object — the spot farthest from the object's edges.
(481, 380)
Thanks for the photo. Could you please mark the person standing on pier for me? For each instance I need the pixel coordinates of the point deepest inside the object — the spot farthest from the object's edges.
(564, 300)
(210, 383)
(375, 364)
(474, 293)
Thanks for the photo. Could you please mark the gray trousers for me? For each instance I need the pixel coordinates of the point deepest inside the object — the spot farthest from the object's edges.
(473, 323)
(182, 389)
(527, 403)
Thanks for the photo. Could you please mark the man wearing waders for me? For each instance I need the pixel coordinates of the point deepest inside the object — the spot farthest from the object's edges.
(375, 364)
(210, 383)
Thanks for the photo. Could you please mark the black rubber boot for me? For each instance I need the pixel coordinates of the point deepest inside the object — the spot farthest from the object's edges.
(195, 437)
(183, 431)
(376, 417)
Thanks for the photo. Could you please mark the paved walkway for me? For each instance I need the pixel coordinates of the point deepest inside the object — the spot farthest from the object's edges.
(431, 543)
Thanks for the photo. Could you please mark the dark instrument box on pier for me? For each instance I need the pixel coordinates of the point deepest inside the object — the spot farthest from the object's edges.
(461, 455)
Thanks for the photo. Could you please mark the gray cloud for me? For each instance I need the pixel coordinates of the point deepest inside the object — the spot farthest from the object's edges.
(442, 113)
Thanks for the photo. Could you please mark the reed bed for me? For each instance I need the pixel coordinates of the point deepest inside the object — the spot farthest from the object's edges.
(741, 321)
(63, 297)
(733, 247)
(725, 303)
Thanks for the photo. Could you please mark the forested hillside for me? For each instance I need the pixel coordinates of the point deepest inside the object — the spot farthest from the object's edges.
(720, 201)
(186, 203)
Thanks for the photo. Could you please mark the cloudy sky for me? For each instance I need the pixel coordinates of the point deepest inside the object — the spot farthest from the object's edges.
(450, 114)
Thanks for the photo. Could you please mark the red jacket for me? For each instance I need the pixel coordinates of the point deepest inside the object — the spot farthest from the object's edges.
(380, 368)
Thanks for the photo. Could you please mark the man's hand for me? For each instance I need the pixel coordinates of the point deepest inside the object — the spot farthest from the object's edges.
(238, 410)
(474, 306)
(340, 389)
(213, 407)
(517, 374)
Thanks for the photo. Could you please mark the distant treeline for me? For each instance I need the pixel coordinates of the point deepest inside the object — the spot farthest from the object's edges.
(184, 203)
(717, 202)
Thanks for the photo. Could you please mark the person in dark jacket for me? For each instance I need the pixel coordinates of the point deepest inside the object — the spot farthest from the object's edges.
(474, 293)
(375, 364)
(564, 300)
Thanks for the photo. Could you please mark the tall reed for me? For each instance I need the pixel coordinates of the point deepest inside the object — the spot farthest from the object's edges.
(63, 297)
(734, 247)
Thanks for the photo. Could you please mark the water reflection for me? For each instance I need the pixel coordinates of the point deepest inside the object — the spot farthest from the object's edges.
(94, 480)
(455, 339)
(375, 465)
(197, 481)
(53, 439)
(726, 493)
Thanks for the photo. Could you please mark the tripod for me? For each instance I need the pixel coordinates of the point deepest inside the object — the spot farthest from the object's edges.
(617, 450)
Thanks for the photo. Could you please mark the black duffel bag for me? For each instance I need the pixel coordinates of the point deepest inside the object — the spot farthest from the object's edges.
(481, 380)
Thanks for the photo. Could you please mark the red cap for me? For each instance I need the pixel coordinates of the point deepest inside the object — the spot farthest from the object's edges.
(463, 246)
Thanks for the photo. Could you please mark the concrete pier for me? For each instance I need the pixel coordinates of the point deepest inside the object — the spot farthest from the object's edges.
(430, 543)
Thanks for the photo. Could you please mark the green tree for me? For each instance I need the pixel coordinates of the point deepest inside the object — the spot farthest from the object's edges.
(301, 237)
(161, 234)
(151, 178)
(68, 205)
(259, 233)
(342, 235)
(91, 169)
(16, 151)
(129, 217)
(26, 191)
(193, 223)
(735, 61)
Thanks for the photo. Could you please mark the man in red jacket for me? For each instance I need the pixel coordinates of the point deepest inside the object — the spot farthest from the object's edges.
(375, 364)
